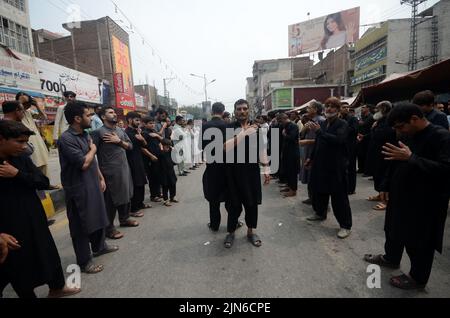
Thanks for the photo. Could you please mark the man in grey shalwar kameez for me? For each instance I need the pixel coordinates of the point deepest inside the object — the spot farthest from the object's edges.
(112, 144)
(84, 186)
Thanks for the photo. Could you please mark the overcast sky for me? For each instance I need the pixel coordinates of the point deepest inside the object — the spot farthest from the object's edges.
(221, 39)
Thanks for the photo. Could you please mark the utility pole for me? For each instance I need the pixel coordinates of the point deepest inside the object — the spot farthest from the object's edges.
(413, 38)
(167, 81)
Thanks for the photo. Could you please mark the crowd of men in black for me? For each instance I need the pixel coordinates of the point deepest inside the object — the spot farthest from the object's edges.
(405, 147)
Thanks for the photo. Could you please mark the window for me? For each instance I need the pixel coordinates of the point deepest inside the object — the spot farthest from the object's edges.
(19, 4)
(14, 36)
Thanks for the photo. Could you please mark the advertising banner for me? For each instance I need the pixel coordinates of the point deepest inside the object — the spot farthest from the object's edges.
(328, 32)
(122, 64)
(282, 98)
(371, 58)
(57, 79)
(376, 72)
(18, 70)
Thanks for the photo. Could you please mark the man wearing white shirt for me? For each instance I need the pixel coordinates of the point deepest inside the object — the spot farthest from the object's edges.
(179, 137)
(61, 124)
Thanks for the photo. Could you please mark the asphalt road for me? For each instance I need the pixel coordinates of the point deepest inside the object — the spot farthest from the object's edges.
(173, 254)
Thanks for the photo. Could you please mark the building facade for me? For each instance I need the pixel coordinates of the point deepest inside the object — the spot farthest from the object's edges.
(97, 47)
(15, 30)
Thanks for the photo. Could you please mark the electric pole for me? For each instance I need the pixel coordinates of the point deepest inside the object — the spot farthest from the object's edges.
(413, 38)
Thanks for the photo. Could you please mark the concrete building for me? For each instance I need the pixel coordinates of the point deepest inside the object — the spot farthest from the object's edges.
(272, 74)
(336, 68)
(150, 94)
(15, 30)
(384, 50)
(93, 48)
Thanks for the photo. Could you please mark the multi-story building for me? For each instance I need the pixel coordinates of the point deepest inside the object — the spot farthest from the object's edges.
(97, 47)
(385, 50)
(150, 94)
(15, 31)
(272, 74)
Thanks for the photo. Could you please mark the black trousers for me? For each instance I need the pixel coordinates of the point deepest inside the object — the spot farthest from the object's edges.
(154, 179)
(57, 282)
(421, 258)
(351, 173)
(292, 175)
(83, 244)
(234, 212)
(137, 201)
(214, 214)
(340, 204)
(112, 210)
(169, 191)
(363, 149)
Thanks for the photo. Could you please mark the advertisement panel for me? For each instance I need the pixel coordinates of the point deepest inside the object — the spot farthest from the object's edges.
(376, 72)
(371, 58)
(328, 32)
(57, 79)
(282, 98)
(18, 70)
(123, 83)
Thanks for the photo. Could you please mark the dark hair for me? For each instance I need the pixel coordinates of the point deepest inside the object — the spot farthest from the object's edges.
(69, 93)
(424, 98)
(178, 118)
(190, 122)
(133, 115)
(241, 102)
(20, 94)
(161, 111)
(10, 129)
(337, 17)
(218, 108)
(403, 112)
(226, 115)
(74, 109)
(333, 102)
(10, 107)
(103, 111)
(166, 142)
(317, 106)
(147, 120)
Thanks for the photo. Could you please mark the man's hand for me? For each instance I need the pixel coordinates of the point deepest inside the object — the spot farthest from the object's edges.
(284, 133)
(92, 146)
(12, 243)
(8, 171)
(112, 139)
(393, 153)
(103, 185)
(154, 158)
(250, 130)
(308, 164)
(313, 126)
(140, 137)
(3, 250)
(154, 135)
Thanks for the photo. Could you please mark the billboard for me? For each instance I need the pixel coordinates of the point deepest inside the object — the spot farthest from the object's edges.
(123, 81)
(327, 32)
(282, 98)
(57, 79)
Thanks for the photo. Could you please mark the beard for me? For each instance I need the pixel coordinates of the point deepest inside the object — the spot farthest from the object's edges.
(331, 115)
(378, 116)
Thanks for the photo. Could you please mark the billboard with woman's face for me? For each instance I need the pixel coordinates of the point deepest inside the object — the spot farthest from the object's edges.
(328, 32)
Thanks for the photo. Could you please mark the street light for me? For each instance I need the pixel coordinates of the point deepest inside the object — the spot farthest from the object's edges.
(206, 84)
(167, 82)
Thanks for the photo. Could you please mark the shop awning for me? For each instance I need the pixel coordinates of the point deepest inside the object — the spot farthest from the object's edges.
(12, 90)
(399, 88)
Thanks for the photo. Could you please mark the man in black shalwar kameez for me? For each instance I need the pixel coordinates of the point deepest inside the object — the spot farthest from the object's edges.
(417, 190)
(243, 174)
(136, 162)
(83, 186)
(33, 259)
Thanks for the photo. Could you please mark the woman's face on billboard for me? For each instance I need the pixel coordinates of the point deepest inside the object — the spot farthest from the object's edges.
(332, 25)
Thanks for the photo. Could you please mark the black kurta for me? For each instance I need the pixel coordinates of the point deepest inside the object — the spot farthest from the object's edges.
(290, 156)
(329, 168)
(135, 159)
(168, 176)
(244, 179)
(84, 198)
(214, 181)
(22, 216)
(376, 165)
(419, 191)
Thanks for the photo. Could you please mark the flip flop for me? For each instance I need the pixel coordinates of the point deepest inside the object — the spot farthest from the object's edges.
(405, 282)
(229, 240)
(92, 268)
(107, 250)
(115, 236)
(379, 260)
(380, 207)
(255, 240)
(374, 199)
(130, 223)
